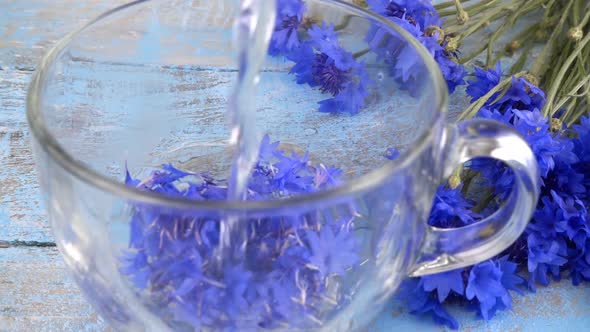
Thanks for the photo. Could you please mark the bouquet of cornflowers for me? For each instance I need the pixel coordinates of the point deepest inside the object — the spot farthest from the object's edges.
(544, 95)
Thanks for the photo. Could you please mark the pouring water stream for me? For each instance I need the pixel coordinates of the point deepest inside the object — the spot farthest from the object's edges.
(253, 30)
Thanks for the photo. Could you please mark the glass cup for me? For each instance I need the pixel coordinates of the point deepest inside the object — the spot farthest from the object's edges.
(147, 84)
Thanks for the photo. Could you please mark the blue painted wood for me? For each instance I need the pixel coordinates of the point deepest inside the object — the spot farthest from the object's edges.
(36, 293)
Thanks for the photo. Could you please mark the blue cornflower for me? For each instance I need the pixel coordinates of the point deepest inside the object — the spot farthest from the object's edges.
(521, 95)
(544, 256)
(422, 302)
(547, 147)
(293, 175)
(485, 284)
(416, 12)
(451, 209)
(285, 37)
(418, 18)
(326, 177)
(579, 265)
(453, 72)
(322, 62)
(278, 277)
(268, 150)
(535, 129)
(582, 150)
(510, 279)
(565, 178)
(391, 153)
(548, 221)
(524, 95)
(443, 283)
(330, 252)
(485, 80)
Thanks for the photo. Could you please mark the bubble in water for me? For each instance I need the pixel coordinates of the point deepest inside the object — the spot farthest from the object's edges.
(380, 76)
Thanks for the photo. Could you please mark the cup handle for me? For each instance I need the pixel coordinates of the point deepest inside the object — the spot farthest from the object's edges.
(449, 249)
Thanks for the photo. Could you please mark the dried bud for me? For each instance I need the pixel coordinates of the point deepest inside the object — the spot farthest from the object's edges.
(361, 3)
(514, 45)
(434, 30)
(541, 35)
(308, 21)
(452, 44)
(556, 125)
(454, 181)
(531, 79)
(575, 34)
(462, 17)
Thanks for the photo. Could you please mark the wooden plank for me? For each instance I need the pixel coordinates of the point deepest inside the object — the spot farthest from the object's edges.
(28, 28)
(21, 215)
(560, 306)
(36, 294)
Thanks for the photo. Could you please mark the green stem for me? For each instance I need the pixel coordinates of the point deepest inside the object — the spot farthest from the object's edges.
(561, 74)
(471, 56)
(577, 115)
(519, 64)
(572, 94)
(481, 21)
(474, 107)
(491, 42)
(468, 179)
(529, 31)
(479, 9)
(548, 7)
(541, 63)
(447, 4)
(344, 23)
(576, 13)
(584, 20)
(360, 53)
(507, 25)
(488, 197)
(569, 111)
(471, 10)
(527, 36)
(557, 62)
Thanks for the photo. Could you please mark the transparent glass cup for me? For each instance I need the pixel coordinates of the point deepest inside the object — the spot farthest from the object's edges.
(147, 84)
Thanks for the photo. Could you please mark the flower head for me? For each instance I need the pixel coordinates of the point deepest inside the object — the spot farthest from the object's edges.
(330, 252)
(420, 301)
(485, 80)
(451, 209)
(417, 17)
(485, 285)
(289, 17)
(322, 62)
(520, 95)
(443, 283)
(544, 255)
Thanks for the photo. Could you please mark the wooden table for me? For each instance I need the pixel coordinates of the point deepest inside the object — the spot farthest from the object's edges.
(36, 293)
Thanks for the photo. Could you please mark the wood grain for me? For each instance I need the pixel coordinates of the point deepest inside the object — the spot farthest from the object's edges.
(36, 294)
(28, 28)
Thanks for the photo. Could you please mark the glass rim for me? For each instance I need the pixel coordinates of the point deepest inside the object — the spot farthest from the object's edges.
(360, 184)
